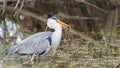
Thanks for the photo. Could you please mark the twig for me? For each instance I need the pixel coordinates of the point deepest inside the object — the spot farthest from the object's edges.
(21, 6)
(25, 63)
(46, 28)
(92, 5)
(3, 22)
(18, 1)
(14, 0)
(4, 7)
(117, 66)
(79, 17)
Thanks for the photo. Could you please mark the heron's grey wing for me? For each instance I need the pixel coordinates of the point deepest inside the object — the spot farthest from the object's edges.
(28, 45)
(45, 45)
(36, 37)
(38, 47)
(33, 43)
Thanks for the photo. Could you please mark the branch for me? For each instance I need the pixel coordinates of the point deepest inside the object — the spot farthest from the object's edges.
(4, 7)
(18, 1)
(79, 17)
(26, 13)
(21, 6)
(14, 0)
(83, 1)
(37, 16)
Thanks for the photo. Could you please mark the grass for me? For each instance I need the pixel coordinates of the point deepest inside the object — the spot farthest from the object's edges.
(80, 55)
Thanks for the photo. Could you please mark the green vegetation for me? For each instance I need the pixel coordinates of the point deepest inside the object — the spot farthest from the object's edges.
(82, 54)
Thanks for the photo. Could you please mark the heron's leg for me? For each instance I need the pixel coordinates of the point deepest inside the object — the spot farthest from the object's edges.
(35, 59)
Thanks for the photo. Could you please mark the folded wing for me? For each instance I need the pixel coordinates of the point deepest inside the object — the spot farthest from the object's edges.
(35, 44)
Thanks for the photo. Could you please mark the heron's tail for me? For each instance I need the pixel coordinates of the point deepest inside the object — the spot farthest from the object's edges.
(11, 50)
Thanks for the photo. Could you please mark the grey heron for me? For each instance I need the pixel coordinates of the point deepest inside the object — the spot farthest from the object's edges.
(40, 43)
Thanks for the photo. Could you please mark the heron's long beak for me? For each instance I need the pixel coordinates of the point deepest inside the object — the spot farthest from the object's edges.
(63, 24)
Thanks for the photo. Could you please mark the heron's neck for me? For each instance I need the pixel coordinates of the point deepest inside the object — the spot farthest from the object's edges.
(56, 38)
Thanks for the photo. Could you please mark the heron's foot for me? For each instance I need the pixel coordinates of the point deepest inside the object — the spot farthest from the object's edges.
(35, 59)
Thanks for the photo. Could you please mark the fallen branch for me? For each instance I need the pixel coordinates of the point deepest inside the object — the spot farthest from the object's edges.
(38, 17)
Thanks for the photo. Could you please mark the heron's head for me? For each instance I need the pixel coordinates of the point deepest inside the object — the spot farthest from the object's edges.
(54, 22)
